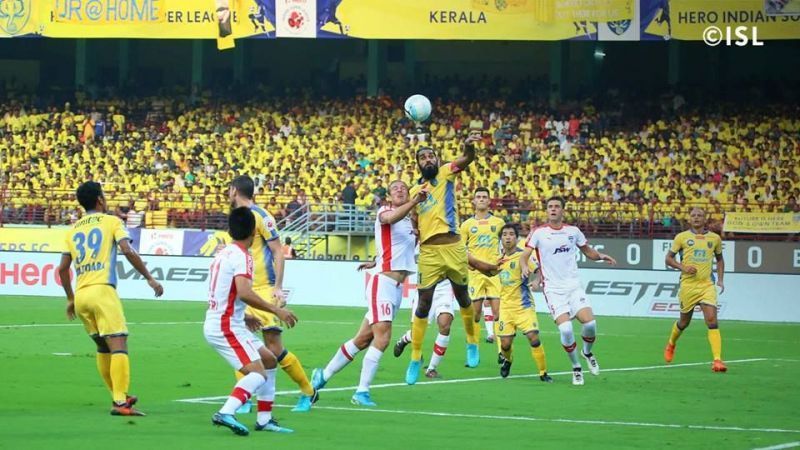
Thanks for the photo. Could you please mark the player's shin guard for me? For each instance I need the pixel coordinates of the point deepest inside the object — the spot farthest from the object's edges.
(468, 316)
(266, 396)
(439, 348)
(675, 334)
(488, 320)
(291, 365)
(103, 360)
(568, 341)
(588, 334)
(368, 368)
(418, 328)
(497, 336)
(538, 356)
(242, 392)
(120, 372)
(715, 339)
(343, 356)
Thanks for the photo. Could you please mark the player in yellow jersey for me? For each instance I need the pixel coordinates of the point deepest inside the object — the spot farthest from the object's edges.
(441, 253)
(268, 265)
(696, 247)
(92, 245)
(517, 310)
(480, 234)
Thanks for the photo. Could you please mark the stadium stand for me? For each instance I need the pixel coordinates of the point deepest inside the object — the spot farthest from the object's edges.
(166, 161)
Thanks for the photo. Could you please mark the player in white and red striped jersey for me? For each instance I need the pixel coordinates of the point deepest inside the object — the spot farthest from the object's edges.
(442, 313)
(394, 261)
(230, 291)
(556, 245)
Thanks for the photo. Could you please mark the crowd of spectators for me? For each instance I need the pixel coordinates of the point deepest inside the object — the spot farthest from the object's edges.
(616, 158)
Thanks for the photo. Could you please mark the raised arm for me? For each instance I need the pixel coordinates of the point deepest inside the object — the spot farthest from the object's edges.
(393, 216)
(469, 150)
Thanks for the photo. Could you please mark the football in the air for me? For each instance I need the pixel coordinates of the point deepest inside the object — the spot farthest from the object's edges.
(418, 108)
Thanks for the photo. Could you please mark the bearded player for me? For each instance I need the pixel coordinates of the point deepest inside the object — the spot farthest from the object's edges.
(442, 254)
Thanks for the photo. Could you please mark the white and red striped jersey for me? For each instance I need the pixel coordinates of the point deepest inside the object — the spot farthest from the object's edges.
(224, 306)
(556, 250)
(394, 244)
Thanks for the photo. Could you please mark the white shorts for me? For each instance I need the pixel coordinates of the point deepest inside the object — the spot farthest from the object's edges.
(443, 299)
(383, 299)
(566, 301)
(239, 347)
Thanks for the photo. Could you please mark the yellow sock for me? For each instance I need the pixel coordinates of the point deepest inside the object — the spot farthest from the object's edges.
(291, 365)
(120, 376)
(497, 335)
(418, 328)
(538, 356)
(508, 355)
(238, 375)
(715, 340)
(676, 333)
(468, 316)
(477, 330)
(104, 367)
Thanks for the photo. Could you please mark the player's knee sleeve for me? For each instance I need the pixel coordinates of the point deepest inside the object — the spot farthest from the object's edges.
(567, 336)
(589, 328)
(102, 346)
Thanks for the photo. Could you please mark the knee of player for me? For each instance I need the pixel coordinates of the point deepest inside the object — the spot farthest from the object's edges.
(505, 346)
(444, 329)
(712, 324)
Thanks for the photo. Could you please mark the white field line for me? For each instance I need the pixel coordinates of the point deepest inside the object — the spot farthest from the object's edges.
(55, 325)
(556, 420)
(220, 399)
(780, 446)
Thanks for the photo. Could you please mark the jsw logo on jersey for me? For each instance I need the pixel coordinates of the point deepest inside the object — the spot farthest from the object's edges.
(562, 249)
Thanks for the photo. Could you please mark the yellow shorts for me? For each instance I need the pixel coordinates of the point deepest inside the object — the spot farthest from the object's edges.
(100, 310)
(483, 287)
(269, 321)
(522, 319)
(692, 295)
(437, 262)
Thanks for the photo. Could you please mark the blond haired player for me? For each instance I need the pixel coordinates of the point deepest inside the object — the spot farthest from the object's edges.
(92, 245)
(697, 248)
(268, 265)
(442, 254)
(394, 258)
(480, 234)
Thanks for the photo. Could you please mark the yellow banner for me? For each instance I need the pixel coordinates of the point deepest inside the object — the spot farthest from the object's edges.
(689, 19)
(160, 19)
(739, 222)
(32, 239)
(472, 19)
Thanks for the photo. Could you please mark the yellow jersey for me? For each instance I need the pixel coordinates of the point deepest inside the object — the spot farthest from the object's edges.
(437, 214)
(697, 250)
(92, 244)
(263, 259)
(482, 237)
(514, 292)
